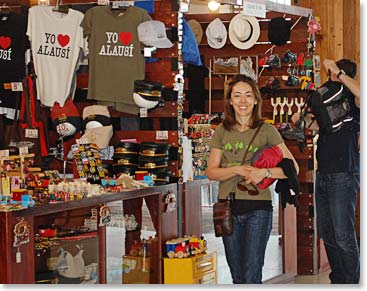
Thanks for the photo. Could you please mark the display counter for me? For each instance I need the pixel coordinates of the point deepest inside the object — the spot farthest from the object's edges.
(18, 258)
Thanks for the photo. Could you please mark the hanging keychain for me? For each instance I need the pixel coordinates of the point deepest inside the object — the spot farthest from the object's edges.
(21, 237)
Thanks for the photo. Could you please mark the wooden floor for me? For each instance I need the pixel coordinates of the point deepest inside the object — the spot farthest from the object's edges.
(273, 256)
(322, 278)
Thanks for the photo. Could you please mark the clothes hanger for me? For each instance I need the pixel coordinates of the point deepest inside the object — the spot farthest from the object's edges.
(5, 9)
(60, 8)
(120, 5)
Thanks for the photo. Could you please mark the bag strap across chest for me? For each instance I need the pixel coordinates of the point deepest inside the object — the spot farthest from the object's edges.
(251, 141)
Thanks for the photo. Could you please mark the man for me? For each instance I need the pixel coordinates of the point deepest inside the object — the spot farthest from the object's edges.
(337, 180)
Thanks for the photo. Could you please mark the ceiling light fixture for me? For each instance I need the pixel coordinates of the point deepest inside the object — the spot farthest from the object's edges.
(213, 5)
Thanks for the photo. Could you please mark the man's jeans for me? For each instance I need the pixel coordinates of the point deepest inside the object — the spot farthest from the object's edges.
(336, 200)
(245, 247)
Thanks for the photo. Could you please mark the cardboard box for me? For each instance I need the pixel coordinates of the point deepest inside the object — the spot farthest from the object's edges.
(136, 270)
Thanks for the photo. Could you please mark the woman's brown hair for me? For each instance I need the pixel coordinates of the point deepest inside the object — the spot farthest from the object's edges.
(229, 115)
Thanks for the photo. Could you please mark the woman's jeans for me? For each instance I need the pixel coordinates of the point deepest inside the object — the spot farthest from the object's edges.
(336, 200)
(245, 247)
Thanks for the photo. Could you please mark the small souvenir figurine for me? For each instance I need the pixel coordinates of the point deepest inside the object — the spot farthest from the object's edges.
(130, 222)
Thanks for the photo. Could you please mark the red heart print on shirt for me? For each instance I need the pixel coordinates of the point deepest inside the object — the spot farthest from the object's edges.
(5, 42)
(63, 39)
(125, 37)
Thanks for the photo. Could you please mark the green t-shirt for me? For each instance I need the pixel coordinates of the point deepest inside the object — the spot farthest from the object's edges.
(115, 53)
(233, 146)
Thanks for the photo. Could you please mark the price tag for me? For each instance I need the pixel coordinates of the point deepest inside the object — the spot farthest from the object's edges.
(161, 135)
(18, 257)
(149, 50)
(23, 151)
(82, 141)
(31, 133)
(4, 154)
(117, 4)
(184, 6)
(143, 112)
(17, 86)
(7, 86)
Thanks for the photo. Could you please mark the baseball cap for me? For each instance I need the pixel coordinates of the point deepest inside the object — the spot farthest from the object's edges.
(153, 33)
(216, 34)
(66, 119)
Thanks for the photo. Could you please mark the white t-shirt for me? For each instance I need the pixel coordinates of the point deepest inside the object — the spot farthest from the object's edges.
(56, 39)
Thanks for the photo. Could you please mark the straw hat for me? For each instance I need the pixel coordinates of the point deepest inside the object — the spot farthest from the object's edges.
(196, 29)
(244, 31)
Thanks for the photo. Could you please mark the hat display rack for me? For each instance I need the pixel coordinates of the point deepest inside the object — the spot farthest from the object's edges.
(295, 18)
(269, 51)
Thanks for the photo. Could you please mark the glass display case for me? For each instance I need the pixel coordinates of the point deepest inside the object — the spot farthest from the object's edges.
(82, 242)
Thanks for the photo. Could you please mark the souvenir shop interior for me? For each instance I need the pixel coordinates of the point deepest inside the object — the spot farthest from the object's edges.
(107, 110)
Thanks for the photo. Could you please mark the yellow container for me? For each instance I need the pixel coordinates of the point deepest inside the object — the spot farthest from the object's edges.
(199, 269)
(136, 270)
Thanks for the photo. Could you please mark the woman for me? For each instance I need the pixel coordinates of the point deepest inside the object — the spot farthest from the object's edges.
(251, 211)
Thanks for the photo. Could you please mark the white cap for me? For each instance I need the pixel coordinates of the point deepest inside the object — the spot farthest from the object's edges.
(216, 34)
(65, 129)
(153, 33)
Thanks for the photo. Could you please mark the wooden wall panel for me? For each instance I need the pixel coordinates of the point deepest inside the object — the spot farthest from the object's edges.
(340, 29)
(351, 30)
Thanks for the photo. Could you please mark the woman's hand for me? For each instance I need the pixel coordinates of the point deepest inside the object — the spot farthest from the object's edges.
(240, 170)
(254, 175)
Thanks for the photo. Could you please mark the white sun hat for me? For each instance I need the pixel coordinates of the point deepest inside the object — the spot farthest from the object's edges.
(244, 31)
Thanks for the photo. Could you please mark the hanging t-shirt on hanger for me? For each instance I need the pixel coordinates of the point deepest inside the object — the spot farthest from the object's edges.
(13, 45)
(56, 39)
(115, 56)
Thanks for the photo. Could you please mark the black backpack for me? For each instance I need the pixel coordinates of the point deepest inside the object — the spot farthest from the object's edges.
(332, 106)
